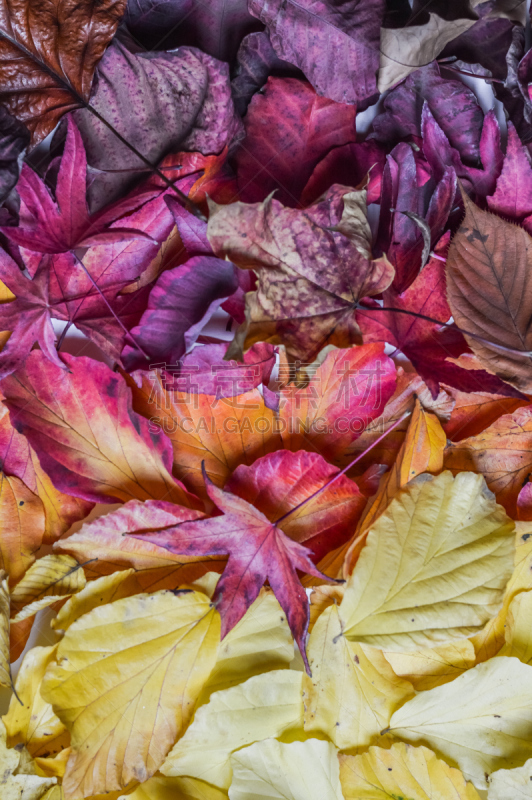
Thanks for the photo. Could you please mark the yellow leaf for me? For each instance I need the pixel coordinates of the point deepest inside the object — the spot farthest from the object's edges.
(322, 597)
(434, 567)
(353, 691)
(32, 722)
(511, 784)
(265, 705)
(54, 766)
(518, 630)
(421, 451)
(402, 771)
(23, 786)
(490, 639)
(5, 665)
(428, 667)
(482, 720)
(270, 770)
(125, 683)
(47, 580)
(159, 788)
(22, 525)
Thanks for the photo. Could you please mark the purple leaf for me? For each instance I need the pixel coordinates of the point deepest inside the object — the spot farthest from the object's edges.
(14, 138)
(513, 195)
(336, 45)
(256, 59)
(159, 102)
(180, 303)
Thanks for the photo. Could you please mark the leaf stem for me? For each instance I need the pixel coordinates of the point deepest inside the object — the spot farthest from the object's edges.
(345, 469)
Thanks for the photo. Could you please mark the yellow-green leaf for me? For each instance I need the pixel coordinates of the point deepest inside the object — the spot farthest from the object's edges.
(271, 770)
(402, 771)
(434, 567)
(265, 705)
(482, 721)
(353, 691)
(125, 683)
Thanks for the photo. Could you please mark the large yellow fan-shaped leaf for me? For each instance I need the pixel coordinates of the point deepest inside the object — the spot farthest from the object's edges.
(125, 683)
(518, 630)
(402, 771)
(511, 784)
(434, 566)
(482, 720)
(270, 770)
(353, 691)
(265, 705)
(159, 788)
(49, 579)
(32, 721)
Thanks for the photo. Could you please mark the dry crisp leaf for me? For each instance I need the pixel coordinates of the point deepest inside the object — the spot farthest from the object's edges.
(482, 721)
(22, 523)
(353, 691)
(404, 50)
(434, 567)
(270, 770)
(49, 579)
(518, 628)
(488, 287)
(263, 706)
(125, 682)
(402, 771)
(32, 721)
(511, 784)
(56, 46)
(21, 786)
(421, 451)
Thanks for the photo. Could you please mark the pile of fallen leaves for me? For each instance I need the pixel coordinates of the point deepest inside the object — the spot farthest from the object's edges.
(275, 503)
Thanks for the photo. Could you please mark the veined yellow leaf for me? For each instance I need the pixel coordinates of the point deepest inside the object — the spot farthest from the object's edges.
(271, 770)
(353, 691)
(265, 705)
(47, 580)
(482, 720)
(5, 604)
(427, 667)
(511, 784)
(160, 788)
(434, 567)
(518, 630)
(402, 771)
(18, 786)
(125, 683)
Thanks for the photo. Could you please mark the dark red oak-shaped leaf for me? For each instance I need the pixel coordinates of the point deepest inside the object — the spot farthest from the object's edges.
(258, 550)
(160, 103)
(56, 226)
(336, 45)
(280, 150)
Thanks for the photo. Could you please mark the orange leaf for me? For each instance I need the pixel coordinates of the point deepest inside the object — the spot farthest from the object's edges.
(22, 526)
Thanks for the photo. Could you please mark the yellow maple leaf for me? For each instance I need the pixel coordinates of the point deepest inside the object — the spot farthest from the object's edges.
(265, 705)
(482, 720)
(271, 770)
(402, 771)
(434, 567)
(125, 683)
(353, 691)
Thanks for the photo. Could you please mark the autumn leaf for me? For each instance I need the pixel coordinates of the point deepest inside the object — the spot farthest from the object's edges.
(57, 48)
(297, 771)
(402, 770)
(511, 784)
(517, 628)
(434, 529)
(481, 720)
(101, 449)
(258, 550)
(131, 661)
(22, 517)
(353, 691)
(15, 785)
(266, 705)
(487, 275)
(49, 579)
(5, 666)
(301, 300)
